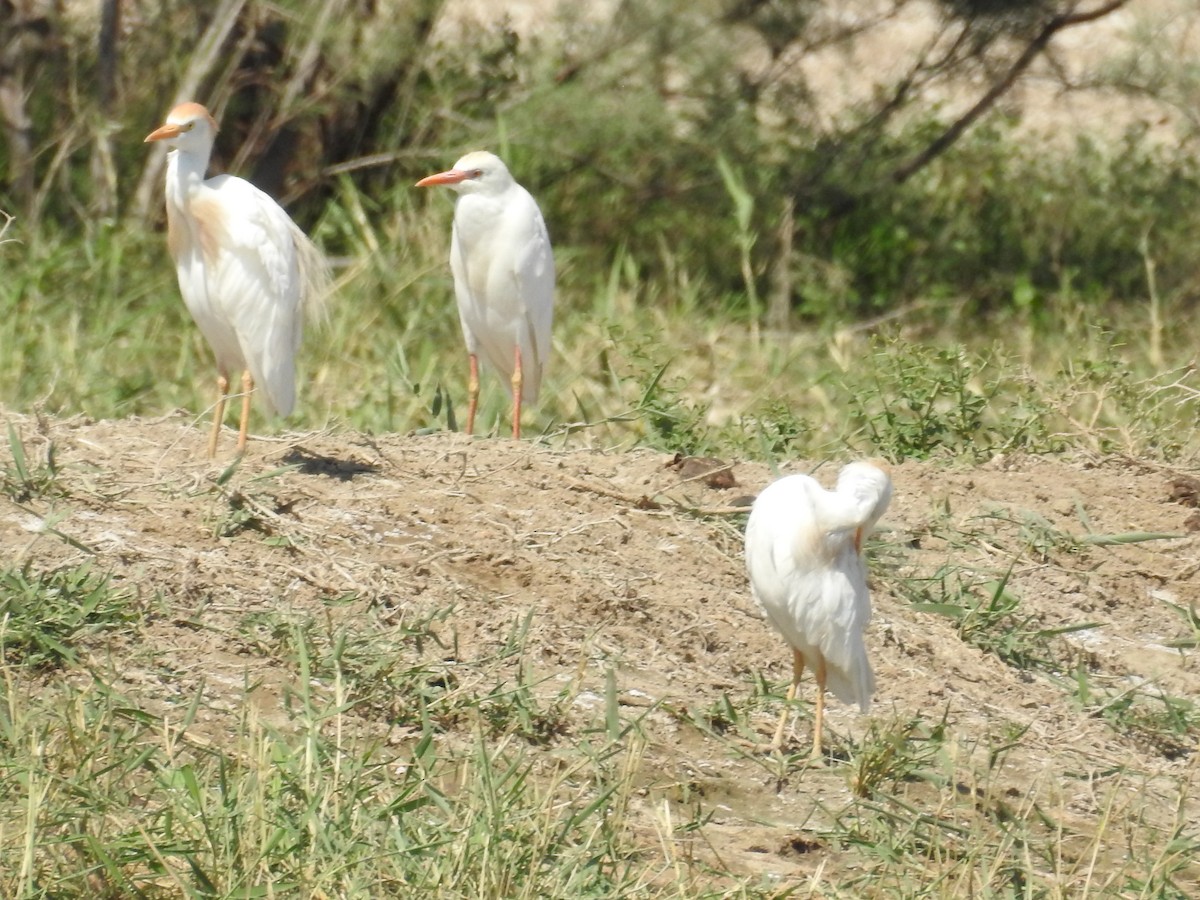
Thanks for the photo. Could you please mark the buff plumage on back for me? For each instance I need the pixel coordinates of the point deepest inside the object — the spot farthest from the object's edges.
(315, 278)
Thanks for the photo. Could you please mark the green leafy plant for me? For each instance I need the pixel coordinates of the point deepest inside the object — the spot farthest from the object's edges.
(920, 401)
(247, 505)
(516, 709)
(897, 751)
(45, 616)
(1166, 724)
(988, 615)
(1191, 620)
(24, 481)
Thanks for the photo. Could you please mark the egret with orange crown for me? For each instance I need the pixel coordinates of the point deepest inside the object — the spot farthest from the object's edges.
(246, 271)
(805, 561)
(503, 271)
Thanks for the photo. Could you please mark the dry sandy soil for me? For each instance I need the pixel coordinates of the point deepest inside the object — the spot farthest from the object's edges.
(495, 530)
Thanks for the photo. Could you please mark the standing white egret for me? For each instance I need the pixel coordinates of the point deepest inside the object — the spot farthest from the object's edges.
(503, 277)
(246, 271)
(804, 558)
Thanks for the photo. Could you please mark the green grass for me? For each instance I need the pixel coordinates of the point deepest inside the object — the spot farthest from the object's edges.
(118, 342)
(23, 479)
(101, 797)
(934, 812)
(393, 766)
(45, 615)
(1024, 303)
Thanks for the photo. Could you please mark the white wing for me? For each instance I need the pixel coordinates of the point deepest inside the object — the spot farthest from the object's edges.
(535, 284)
(256, 282)
(503, 270)
(462, 289)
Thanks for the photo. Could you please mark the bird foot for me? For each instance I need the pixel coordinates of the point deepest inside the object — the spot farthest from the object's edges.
(770, 747)
(758, 746)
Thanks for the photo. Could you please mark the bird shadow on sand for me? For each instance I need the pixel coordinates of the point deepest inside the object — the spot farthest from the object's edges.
(330, 466)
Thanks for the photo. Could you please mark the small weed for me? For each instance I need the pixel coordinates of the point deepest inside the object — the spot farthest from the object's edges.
(897, 751)
(988, 615)
(516, 710)
(383, 672)
(922, 401)
(1042, 539)
(23, 481)
(250, 506)
(1166, 724)
(776, 432)
(723, 717)
(669, 417)
(1191, 619)
(744, 237)
(44, 616)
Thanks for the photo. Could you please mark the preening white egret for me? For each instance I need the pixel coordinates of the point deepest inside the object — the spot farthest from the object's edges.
(804, 558)
(246, 271)
(503, 271)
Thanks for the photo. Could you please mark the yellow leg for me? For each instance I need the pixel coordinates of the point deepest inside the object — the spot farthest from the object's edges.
(244, 424)
(517, 379)
(819, 715)
(218, 415)
(797, 671)
(472, 393)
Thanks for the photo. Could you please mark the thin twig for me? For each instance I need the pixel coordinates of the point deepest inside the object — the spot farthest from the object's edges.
(653, 504)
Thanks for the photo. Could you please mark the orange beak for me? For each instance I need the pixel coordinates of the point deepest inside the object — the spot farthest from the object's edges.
(858, 539)
(452, 177)
(163, 132)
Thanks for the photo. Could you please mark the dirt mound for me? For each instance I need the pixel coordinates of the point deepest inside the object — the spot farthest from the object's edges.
(617, 569)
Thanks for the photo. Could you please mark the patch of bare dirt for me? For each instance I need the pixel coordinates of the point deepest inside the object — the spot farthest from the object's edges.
(626, 561)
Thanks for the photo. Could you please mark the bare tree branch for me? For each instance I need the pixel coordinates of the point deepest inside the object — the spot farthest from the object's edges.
(1034, 49)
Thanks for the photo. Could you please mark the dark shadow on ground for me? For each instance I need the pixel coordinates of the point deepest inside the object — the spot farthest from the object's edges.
(317, 464)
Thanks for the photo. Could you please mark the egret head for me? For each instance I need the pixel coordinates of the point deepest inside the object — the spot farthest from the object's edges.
(870, 486)
(189, 127)
(479, 172)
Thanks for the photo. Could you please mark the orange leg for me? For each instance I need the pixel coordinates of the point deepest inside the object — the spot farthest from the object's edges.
(218, 415)
(472, 393)
(797, 671)
(516, 386)
(244, 424)
(819, 715)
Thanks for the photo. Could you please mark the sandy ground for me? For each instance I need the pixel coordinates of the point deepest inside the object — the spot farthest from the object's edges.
(376, 532)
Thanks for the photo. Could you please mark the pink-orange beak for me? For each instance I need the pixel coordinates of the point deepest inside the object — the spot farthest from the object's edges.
(454, 176)
(163, 132)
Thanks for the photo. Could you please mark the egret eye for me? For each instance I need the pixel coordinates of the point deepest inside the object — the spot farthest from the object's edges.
(187, 127)
(476, 173)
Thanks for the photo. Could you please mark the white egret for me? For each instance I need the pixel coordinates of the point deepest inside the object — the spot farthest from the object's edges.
(503, 271)
(804, 558)
(246, 271)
